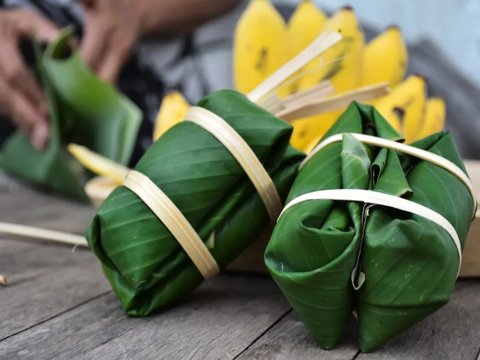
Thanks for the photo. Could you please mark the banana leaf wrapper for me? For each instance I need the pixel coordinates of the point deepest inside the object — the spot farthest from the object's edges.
(408, 264)
(144, 263)
(82, 110)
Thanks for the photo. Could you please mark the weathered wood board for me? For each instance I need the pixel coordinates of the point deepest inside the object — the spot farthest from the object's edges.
(60, 306)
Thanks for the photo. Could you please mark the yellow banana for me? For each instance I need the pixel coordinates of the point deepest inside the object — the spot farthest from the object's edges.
(313, 143)
(434, 119)
(306, 24)
(342, 65)
(172, 111)
(343, 62)
(260, 45)
(410, 97)
(385, 58)
(307, 129)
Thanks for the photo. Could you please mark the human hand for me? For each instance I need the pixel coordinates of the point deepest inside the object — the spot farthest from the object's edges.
(111, 29)
(21, 98)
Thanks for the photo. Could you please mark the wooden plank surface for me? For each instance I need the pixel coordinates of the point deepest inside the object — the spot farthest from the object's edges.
(217, 321)
(46, 280)
(60, 306)
(289, 339)
(39, 272)
(451, 333)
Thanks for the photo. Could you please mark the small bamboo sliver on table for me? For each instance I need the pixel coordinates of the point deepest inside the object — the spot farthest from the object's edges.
(42, 234)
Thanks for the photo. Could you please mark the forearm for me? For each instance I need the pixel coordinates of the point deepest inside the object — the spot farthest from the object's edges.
(174, 16)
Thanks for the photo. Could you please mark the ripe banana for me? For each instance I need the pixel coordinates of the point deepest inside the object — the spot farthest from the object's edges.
(434, 119)
(260, 45)
(343, 62)
(308, 129)
(385, 58)
(410, 97)
(306, 24)
(172, 111)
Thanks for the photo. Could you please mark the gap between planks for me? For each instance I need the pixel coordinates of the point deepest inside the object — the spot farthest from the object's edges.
(263, 333)
(41, 322)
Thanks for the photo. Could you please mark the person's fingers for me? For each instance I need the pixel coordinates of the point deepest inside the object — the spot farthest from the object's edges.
(30, 23)
(24, 114)
(14, 71)
(40, 135)
(30, 122)
(87, 4)
(92, 47)
(116, 55)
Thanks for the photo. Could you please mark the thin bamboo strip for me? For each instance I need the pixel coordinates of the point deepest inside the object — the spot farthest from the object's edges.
(317, 47)
(325, 88)
(302, 110)
(37, 233)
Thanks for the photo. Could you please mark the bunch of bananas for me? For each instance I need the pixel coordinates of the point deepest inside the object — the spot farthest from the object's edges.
(263, 42)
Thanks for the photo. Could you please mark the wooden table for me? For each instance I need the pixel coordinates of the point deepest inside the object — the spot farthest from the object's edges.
(59, 305)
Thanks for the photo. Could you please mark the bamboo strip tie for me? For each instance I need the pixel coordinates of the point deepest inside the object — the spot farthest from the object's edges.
(302, 109)
(244, 155)
(386, 200)
(322, 43)
(173, 219)
(405, 149)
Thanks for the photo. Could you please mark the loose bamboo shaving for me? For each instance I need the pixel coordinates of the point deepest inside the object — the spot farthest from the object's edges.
(275, 105)
(322, 90)
(406, 149)
(325, 41)
(33, 232)
(272, 103)
(99, 164)
(386, 200)
(245, 156)
(173, 219)
(3, 280)
(302, 109)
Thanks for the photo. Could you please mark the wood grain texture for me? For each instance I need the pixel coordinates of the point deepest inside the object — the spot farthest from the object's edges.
(26, 206)
(60, 306)
(45, 280)
(453, 332)
(217, 321)
(39, 272)
(289, 339)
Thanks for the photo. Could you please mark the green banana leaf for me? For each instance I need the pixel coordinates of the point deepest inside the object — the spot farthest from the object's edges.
(145, 265)
(82, 110)
(408, 263)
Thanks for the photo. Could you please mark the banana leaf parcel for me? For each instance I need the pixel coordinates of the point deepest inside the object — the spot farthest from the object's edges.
(83, 110)
(331, 255)
(144, 262)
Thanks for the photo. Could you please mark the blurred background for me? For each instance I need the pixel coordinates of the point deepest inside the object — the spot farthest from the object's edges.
(443, 41)
(442, 35)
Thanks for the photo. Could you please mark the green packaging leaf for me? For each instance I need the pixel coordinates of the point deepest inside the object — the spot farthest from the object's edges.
(406, 266)
(83, 110)
(145, 264)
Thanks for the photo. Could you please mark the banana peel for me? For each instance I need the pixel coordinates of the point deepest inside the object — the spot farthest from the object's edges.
(173, 110)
